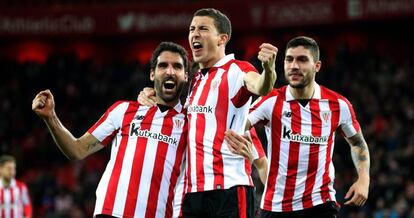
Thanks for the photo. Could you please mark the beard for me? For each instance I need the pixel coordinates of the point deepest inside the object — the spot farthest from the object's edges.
(159, 86)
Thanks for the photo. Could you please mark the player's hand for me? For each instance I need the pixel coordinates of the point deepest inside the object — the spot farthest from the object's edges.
(147, 97)
(239, 144)
(358, 192)
(43, 104)
(267, 55)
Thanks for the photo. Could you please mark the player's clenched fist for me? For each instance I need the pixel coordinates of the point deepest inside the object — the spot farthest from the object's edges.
(267, 55)
(43, 104)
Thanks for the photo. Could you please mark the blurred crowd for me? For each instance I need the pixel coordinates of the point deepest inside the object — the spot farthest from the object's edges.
(378, 86)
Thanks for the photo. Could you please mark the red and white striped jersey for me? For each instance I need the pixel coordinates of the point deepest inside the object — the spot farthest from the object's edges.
(14, 200)
(147, 152)
(218, 101)
(300, 146)
(258, 152)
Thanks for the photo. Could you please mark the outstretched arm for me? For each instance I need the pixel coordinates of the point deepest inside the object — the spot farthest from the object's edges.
(73, 148)
(358, 192)
(261, 84)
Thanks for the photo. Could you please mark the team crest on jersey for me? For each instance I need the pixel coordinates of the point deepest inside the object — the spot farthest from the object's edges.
(178, 123)
(325, 116)
(215, 83)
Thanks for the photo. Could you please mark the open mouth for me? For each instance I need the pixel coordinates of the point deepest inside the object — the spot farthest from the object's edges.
(197, 45)
(169, 84)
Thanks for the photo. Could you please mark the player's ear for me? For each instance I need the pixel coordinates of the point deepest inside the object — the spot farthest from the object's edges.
(223, 39)
(318, 66)
(152, 75)
(186, 76)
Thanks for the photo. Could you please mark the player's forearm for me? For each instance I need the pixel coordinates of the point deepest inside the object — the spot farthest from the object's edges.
(361, 159)
(360, 155)
(262, 175)
(263, 83)
(64, 139)
(262, 168)
(267, 80)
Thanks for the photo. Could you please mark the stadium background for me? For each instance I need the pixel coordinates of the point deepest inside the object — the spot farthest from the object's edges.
(91, 53)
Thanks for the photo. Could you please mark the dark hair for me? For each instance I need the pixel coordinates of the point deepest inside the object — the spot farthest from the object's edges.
(307, 43)
(221, 21)
(6, 158)
(172, 47)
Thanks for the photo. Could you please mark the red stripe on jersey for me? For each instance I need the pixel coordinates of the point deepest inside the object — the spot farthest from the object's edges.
(274, 164)
(201, 126)
(103, 118)
(138, 161)
(161, 152)
(241, 98)
(313, 154)
(196, 84)
(243, 95)
(262, 99)
(2, 209)
(335, 110)
(109, 138)
(11, 202)
(111, 190)
(351, 110)
(257, 143)
(174, 175)
(188, 169)
(221, 125)
(293, 158)
(189, 115)
(242, 202)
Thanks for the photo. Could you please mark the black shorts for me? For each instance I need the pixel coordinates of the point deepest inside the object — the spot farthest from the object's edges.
(235, 202)
(104, 216)
(326, 210)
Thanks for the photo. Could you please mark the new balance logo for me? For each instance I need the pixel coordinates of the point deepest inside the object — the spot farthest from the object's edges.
(139, 117)
(287, 114)
(287, 134)
(136, 131)
(200, 109)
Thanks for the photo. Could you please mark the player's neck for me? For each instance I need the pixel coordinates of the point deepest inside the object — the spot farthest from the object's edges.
(169, 104)
(303, 93)
(6, 182)
(210, 63)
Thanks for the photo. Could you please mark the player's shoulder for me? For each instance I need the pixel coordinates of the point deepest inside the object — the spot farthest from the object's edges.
(330, 94)
(20, 183)
(118, 105)
(244, 65)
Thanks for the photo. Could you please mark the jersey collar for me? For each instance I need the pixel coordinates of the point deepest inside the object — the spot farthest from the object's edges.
(316, 95)
(224, 60)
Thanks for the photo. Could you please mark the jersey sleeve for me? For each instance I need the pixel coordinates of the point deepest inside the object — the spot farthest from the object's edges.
(105, 128)
(242, 94)
(258, 151)
(261, 110)
(349, 125)
(27, 204)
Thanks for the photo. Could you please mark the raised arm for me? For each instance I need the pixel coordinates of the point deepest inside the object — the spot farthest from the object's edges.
(358, 192)
(73, 148)
(261, 84)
